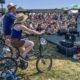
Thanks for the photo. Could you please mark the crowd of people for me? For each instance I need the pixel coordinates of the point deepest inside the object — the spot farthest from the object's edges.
(52, 22)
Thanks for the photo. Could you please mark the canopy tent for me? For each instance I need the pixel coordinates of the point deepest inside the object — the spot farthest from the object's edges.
(74, 11)
(20, 9)
(75, 6)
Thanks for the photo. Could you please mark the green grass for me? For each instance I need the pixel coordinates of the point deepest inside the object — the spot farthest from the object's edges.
(63, 68)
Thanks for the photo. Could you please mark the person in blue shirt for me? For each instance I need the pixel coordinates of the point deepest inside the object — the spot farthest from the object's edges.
(8, 21)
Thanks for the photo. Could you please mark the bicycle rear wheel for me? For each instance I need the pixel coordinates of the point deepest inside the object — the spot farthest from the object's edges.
(44, 63)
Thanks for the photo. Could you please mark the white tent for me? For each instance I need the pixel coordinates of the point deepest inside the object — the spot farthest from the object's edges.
(74, 11)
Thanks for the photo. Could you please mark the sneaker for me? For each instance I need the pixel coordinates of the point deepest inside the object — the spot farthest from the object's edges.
(23, 65)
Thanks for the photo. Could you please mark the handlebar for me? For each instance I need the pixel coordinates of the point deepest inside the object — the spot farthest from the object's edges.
(31, 35)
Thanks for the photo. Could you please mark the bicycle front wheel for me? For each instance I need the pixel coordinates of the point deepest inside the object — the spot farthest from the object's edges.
(44, 63)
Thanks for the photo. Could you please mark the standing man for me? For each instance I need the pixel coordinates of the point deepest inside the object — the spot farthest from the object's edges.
(8, 21)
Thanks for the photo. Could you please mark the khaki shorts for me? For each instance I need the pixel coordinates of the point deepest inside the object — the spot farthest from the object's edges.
(17, 43)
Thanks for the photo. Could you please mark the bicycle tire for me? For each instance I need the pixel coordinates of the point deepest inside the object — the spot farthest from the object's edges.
(41, 58)
(10, 64)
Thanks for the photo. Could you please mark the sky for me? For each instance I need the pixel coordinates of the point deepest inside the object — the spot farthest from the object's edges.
(42, 4)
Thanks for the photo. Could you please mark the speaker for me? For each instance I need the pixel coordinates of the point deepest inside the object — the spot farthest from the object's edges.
(2, 1)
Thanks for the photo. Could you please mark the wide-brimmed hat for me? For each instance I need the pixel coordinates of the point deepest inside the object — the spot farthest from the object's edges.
(21, 18)
(11, 5)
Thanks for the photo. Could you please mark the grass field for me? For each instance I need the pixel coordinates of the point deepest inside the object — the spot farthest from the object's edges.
(63, 68)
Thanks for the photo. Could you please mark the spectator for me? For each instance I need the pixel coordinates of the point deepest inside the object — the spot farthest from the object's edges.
(8, 21)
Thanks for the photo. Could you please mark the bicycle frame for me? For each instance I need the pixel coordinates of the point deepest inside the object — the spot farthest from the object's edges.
(40, 48)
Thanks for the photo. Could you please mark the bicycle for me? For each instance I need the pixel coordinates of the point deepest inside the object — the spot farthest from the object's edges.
(7, 64)
(42, 64)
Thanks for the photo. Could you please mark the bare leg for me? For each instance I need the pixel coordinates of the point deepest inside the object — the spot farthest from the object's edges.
(28, 46)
